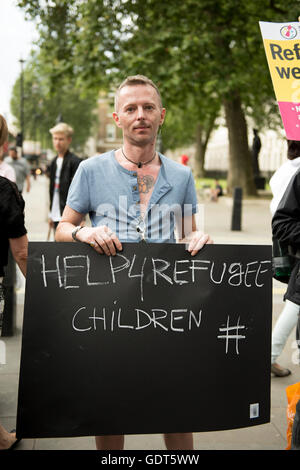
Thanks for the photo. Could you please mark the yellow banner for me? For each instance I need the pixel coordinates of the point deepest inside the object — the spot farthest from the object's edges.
(284, 64)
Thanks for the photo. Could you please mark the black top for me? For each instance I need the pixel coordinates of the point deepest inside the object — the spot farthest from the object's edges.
(286, 228)
(219, 187)
(286, 220)
(11, 217)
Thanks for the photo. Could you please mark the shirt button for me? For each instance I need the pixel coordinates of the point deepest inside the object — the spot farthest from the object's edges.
(134, 188)
(134, 174)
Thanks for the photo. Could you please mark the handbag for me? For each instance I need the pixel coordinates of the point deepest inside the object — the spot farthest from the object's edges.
(282, 261)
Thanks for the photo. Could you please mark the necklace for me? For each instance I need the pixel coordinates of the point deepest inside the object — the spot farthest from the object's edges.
(139, 164)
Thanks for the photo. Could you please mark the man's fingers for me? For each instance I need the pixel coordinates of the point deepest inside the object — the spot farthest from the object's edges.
(117, 242)
(102, 239)
(113, 237)
(109, 243)
(96, 247)
(198, 242)
(197, 246)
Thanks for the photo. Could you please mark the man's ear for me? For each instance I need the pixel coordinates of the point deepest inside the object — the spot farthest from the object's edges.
(162, 116)
(116, 119)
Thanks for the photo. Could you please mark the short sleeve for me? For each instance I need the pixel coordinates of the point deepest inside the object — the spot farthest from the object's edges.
(78, 195)
(15, 226)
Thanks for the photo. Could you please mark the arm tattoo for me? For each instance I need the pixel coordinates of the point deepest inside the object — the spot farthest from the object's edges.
(145, 183)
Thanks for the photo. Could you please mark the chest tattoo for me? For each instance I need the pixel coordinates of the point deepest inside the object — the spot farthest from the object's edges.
(145, 183)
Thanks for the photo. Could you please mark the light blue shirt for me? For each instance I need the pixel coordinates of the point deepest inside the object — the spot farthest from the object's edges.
(109, 193)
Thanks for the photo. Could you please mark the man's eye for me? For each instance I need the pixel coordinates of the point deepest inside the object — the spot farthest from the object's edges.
(129, 110)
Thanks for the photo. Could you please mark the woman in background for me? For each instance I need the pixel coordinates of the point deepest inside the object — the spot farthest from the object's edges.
(288, 318)
(13, 236)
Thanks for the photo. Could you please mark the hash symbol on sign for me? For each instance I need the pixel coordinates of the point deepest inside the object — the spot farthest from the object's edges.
(235, 336)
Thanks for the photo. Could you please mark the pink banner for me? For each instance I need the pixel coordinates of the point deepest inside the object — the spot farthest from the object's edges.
(290, 115)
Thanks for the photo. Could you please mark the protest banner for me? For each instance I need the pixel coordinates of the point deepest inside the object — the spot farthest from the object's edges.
(282, 47)
(151, 340)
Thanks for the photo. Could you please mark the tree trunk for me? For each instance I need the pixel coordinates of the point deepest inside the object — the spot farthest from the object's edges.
(240, 171)
(202, 137)
(199, 153)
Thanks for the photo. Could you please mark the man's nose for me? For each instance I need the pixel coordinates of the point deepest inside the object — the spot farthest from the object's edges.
(140, 112)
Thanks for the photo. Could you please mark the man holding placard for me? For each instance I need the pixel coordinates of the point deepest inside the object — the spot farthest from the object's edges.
(134, 194)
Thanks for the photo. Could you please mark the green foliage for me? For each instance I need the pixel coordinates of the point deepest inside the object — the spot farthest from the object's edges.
(199, 49)
(43, 105)
(175, 132)
(182, 123)
(201, 54)
(201, 183)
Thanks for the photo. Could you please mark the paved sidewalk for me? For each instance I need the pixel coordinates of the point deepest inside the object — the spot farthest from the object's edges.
(256, 221)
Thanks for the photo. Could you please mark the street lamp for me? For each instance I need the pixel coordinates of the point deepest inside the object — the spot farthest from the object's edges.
(59, 119)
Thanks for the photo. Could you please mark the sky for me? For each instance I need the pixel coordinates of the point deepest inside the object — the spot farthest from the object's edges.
(16, 38)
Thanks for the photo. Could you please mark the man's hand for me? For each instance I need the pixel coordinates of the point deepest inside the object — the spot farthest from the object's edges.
(101, 238)
(196, 240)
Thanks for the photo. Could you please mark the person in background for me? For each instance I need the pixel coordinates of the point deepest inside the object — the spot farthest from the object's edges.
(61, 171)
(289, 315)
(138, 173)
(21, 168)
(256, 147)
(184, 160)
(13, 235)
(216, 192)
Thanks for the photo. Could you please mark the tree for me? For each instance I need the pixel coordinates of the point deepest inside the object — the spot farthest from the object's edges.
(217, 44)
(111, 56)
(187, 125)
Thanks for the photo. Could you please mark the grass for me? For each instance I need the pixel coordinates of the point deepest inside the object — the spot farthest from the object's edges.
(210, 182)
(202, 182)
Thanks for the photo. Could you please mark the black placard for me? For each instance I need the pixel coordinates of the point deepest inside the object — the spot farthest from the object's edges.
(152, 340)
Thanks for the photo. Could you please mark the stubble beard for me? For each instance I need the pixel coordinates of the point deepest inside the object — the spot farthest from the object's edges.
(141, 140)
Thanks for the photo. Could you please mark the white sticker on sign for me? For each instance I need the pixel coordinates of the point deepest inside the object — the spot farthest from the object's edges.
(254, 410)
